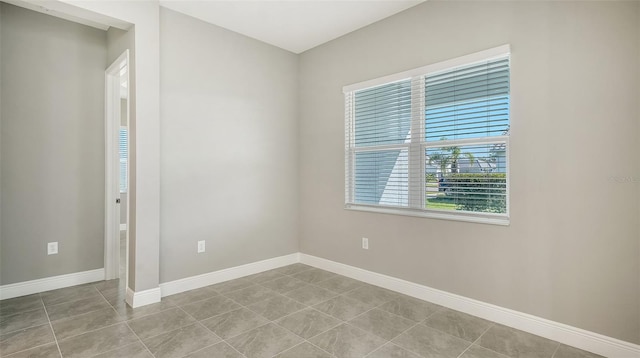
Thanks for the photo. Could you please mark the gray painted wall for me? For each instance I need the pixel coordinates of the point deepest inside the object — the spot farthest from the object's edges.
(571, 251)
(52, 145)
(229, 148)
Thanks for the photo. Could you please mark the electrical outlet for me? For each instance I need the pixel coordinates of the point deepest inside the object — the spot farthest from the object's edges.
(365, 243)
(52, 248)
(201, 246)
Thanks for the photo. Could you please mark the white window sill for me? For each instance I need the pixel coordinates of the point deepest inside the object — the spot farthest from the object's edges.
(492, 219)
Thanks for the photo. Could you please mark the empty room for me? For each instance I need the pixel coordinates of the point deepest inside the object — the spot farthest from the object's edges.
(319, 178)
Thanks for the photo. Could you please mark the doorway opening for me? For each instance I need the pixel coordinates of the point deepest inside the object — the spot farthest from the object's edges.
(117, 106)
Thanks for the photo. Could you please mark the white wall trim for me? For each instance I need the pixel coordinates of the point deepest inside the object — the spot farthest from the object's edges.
(50, 283)
(576, 337)
(142, 298)
(193, 282)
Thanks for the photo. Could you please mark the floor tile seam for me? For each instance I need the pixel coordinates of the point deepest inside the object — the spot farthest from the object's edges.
(322, 349)
(270, 320)
(79, 299)
(451, 335)
(556, 350)
(367, 332)
(34, 347)
(360, 283)
(407, 348)
(234, 348)
(377, 349)
(145, 315)
(92, 285)
(300, 310)
(403, 317)
(90, 331)
(369, 310)
(21, 329)
(243, 332)
(297, 272)
(286, 350)
(53, 333)
(195, 320)
(476, 340)
(196, 301)
(424, 321)
(399, 334)
(310, 284)
(139, 339)
(238, 289)
(493, 324)
(340, 322)
(103, 296)
(241, 306)
(83, 313)
(201, 326)
(209, 346)
(267, 280)
(338, 293)
(303, 342)
(75, 300)
(21, 312)
(442, 308)
(264, 299)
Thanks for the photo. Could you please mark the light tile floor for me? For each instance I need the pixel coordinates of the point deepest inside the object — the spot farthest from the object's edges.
(292, 312)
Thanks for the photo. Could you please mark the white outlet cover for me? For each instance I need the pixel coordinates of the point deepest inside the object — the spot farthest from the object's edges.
(201, 246)
(365, 243)
(52, 248)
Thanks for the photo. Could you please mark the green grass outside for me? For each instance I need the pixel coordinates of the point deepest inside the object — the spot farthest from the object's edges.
(441, 202)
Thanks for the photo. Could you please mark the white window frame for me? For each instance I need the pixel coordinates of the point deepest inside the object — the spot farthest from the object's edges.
(418, 144)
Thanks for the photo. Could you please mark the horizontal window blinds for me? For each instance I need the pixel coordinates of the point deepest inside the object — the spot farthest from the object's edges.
(468, 102)
(432, 142)
(383, 114)
(123, 142)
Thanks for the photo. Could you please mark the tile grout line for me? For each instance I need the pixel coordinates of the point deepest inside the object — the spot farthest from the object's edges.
(269, 321)
(139, 339)
(556, 350)
(97, 329)
(379, 348)
(390, 341)
(78, 314)
(34, 347)
(476, 340)
(338, 294)
(199, 322)
(51, 326)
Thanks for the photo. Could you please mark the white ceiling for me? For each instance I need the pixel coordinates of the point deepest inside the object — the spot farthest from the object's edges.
(294, 25)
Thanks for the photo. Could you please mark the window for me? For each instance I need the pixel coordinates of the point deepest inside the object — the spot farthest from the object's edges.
(432, 141)
(124, 157)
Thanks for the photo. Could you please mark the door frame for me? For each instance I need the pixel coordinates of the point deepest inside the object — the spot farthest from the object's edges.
(112, 125)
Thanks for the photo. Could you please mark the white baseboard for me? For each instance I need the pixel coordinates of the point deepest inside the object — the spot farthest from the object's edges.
(193, 282)
(137, 299)
(50, 283)
(123, 227)
(572, 336)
